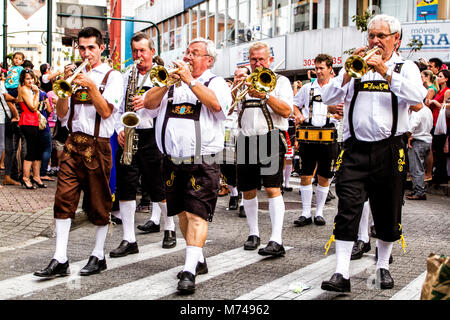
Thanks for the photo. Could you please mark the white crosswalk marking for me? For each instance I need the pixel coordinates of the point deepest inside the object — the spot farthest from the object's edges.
(165, 283)
(412, 291)
(29, 283)
(312, 275)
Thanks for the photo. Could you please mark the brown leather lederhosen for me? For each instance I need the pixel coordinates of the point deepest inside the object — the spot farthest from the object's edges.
(85, 165)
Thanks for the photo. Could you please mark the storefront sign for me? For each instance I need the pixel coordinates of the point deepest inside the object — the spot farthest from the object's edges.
(29, 7)
(427, 10)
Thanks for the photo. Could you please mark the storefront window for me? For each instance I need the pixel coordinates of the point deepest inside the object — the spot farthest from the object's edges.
(220, 23)
(255, 10)
(231, 21)
(267, 19)
(300, 15)
(282, 17)
(245, 33)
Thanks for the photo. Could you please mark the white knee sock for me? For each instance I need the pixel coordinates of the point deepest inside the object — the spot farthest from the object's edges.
(287, 174)
(192, 257)
(127, 211)
(168, 221)
(363, 231)
(343, 255)
(101, 233)
(156, 213)
(321, 198)
(384, 252)
(276, 211)
(251, 210)
(62, 230)
(306, 192)
(233, 191)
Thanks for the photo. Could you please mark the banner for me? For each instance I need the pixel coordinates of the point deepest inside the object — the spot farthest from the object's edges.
(427, 9)
(27, 7)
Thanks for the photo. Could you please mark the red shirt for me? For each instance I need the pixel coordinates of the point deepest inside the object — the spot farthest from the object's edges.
(439, 97)
(28, 118)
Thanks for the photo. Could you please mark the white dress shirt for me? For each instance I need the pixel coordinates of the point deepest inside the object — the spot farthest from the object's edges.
(180, 139)
(372, 115)
(146, 121)
(84, 116)
(420, 124)
(320, 109)
(253, 121)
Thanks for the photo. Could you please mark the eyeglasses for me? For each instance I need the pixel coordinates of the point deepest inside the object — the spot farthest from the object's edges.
(380, 36)
(255, 60)
(194, 54)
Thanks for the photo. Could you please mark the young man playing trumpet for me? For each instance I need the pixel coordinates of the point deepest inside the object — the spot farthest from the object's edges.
(190, 132)
(146, 161)
(262, 123)
(87, 161)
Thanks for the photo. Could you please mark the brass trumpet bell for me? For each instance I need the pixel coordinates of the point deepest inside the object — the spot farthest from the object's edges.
(356, 66)
(64, 88)
(160, 76)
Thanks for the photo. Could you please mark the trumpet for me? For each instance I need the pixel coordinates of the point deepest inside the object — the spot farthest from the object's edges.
(63, 88)
(161, 77)
(261, 79)
(356, 66)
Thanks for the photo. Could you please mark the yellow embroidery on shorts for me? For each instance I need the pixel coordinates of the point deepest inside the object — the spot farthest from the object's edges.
(332, 239)
(196, 187)
(80, 139)
(401, 160)
(88, 154)
(339, 160)
(169, 183)
(402, 240)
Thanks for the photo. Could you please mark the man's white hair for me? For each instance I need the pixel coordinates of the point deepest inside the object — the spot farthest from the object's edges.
(394, 24)
(210, 47)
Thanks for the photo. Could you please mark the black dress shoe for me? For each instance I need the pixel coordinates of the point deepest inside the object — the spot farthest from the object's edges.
(93, 266)
(319, 221)
(233, 203)
(288, 189)
(391, 259)
(242, 212)
(116, 220)
(149, 226)
(272, 249)
(359, 248)
(125, 248)
(54, 269)
(373, 232)
(186, 285)
(170, 239)
(336, 283)
(201, 268)
(252, 242)
(384, 279)
(302, 221)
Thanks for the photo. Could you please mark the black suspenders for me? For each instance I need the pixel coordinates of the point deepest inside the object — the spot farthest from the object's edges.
(315, 98)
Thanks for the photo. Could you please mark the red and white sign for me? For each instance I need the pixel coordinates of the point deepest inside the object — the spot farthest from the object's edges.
(28, 7)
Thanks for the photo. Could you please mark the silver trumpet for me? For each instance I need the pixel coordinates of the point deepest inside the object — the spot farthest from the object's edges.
(130, 119)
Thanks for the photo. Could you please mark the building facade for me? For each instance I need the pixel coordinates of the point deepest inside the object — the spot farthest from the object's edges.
(296, 30)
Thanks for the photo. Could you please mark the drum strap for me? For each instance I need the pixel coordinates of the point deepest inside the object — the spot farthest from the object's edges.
(315, 98)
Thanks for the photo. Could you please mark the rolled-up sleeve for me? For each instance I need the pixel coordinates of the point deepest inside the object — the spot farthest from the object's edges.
(407, 85)
(113, 93)
(223, 96)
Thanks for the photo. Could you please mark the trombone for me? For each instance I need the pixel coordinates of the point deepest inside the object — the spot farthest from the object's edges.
(356, 66)
(63, 88)
(261, 79)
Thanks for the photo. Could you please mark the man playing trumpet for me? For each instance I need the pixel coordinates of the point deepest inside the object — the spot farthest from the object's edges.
(147, 160)
(262, 123)
(190, 132)
(87, 161)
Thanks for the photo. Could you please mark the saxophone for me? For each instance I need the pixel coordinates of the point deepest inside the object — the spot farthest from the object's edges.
(130, 119)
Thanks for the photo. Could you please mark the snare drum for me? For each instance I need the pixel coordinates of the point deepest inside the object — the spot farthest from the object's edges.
(316, 135)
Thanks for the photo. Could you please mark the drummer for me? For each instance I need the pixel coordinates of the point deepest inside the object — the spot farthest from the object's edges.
(315, 153)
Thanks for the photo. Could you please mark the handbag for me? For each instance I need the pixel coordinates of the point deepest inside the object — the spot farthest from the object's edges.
(441, 123)
(42, 121)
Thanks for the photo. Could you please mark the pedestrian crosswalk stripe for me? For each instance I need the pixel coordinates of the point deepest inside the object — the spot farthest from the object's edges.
(27, 284)
(311, 275)
(165, 283)
(412, 291)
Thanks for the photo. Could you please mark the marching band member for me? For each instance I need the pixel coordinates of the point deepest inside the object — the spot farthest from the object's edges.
(86, 162)
(190, 132)
(146, 162)
(320, 153)
(262, 123)
(372, 164)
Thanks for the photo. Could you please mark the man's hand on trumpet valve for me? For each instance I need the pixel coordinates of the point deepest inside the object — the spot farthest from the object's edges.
(376, 61)
(252, 92)
(83, 80)
(68, 70)
(183, 72)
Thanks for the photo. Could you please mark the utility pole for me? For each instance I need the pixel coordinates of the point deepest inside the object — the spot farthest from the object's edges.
(5, 35)
(49, 31)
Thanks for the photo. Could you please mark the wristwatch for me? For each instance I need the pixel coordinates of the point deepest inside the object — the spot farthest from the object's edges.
(388, 74)
(266, 97)
(192, 84)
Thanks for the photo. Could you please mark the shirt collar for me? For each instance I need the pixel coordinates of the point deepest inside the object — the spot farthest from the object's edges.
(102, 68)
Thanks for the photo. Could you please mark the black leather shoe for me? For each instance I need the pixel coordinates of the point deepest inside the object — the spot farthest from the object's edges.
(93, 266)
(302, 221)
(125, 248)
(373, 232)
(186, 285)
(252, 242)
(170, 239)
(336, 283)
(116, 220)
(233, 203)
(384, 279)
(242, 212)
(201, 268)
(391, 259)
(288, 189)
(54, 269)
(359, 248)
(149, 226)
(330, 196)
(272, 249)
(319, 221)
